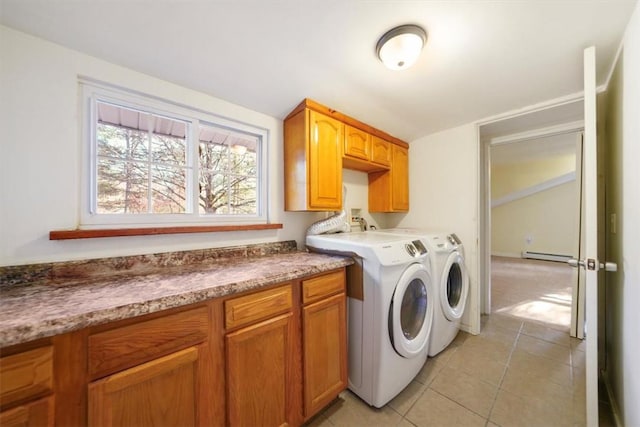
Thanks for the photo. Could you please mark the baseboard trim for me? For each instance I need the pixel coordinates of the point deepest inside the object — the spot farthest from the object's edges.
(507, 254)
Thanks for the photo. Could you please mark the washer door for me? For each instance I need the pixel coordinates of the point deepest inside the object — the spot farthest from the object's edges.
(411, 312)
(454, 286)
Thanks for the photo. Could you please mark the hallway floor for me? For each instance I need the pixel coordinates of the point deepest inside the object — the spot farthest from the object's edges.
(522, 370)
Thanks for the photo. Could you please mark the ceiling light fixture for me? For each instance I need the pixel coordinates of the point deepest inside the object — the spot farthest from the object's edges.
(400, 47)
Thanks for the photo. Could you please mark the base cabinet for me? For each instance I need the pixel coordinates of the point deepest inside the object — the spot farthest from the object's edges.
(270, 357)
(259, 367)
(325, 340)
(160, 392)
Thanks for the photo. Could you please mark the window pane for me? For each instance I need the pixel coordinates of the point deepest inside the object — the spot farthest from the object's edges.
(245, 163)
(121, 143)
(213, 193)
(167, 149)
(235, 155)
(145, 163)
(169, 194)
(122, 187)
(214, 157)
(242, 196)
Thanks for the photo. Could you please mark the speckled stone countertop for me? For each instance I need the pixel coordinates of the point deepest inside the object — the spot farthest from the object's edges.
(50, 300)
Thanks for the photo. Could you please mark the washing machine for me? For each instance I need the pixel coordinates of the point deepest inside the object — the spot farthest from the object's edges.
(391, 303)
(451, 277)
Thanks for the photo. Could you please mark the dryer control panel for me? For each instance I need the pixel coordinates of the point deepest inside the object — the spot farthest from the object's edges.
(416, 248)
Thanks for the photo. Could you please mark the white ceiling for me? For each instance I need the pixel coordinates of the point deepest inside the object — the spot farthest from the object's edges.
(482, 57)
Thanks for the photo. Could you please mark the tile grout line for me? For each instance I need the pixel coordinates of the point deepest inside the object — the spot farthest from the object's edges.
(427, 387)
(504, 373)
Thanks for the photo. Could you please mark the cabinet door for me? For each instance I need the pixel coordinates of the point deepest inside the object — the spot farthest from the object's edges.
(400, 179)
(325, 162)
(357, 143)
(380, 151)
(325, 352)
(160, 392)
(259, 373)
(38, 413)
(389, 190)
(26, 375)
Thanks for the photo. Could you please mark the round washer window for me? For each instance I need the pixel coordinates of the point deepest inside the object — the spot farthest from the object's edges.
(454, 285)
(414, 309)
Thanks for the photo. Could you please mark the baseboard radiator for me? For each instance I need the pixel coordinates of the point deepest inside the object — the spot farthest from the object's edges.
(546, 257)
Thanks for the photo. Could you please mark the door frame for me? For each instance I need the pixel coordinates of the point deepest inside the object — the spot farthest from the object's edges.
(484, 222)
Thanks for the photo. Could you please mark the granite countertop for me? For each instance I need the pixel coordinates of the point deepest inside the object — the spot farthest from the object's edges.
(45, 307)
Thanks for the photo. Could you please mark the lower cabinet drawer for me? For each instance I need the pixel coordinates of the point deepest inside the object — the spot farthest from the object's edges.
(257, 306)
(323, 286)
(131, 345)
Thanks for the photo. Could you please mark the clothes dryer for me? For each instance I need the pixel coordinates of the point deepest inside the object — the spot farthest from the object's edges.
(390, 310)
(451, 280)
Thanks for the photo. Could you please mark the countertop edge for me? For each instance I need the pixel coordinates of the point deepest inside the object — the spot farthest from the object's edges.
(28, 332)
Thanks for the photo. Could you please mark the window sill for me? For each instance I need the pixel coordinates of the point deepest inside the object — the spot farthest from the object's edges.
(119, 232)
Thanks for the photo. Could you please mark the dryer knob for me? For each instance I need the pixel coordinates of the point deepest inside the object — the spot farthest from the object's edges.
(411, 249)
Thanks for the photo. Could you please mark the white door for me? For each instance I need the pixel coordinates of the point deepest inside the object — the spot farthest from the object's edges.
(590, 262)
(579, 278)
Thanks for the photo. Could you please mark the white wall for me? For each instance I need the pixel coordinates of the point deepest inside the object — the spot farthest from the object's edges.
(40, 156)
(357, 197)
(546, 221)
(622, 372)
(443, 172)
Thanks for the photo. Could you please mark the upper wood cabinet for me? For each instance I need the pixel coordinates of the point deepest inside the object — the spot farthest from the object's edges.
(389, 190)
(380, 151)
(313, 162)
(365, 152)
(357, 143)
(319, 142)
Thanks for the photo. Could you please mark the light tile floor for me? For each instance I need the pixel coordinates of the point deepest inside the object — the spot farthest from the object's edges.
(522, 370)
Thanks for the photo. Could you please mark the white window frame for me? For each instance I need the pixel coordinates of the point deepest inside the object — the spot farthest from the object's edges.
(92, 92)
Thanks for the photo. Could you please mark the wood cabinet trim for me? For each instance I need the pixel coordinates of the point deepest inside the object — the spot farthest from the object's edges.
(37, 413)
(146, 371)
(26, 375)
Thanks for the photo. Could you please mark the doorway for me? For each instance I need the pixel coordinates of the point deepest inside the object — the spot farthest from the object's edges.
(535, 221)
(529, 199)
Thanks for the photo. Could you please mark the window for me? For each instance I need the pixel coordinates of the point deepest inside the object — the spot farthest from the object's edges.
(154, 162)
